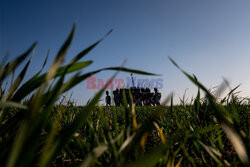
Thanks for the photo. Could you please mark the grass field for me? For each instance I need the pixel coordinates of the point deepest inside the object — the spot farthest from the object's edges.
(177, 135)
(37, 130)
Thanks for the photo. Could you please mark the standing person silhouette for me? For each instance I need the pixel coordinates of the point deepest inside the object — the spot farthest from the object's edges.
(157, 97)
(108, 99)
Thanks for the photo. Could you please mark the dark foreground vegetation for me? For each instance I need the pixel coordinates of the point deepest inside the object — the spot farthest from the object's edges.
(35, 130)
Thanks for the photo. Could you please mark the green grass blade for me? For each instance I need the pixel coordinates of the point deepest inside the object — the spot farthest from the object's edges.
(77, 79)
(64, 48)
(123, 69)
(7, 69)
(238, 144)
(79, 120)
(227, 123)
(18, 81)
(11, 104)
(93, 155)
(87, 50)
(35, 82)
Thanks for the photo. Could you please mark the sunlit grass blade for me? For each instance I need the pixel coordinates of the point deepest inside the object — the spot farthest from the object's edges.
(230, 93)
(238, 144)
(93, 155)
(35, 82)
(79, 120)
(227, 123)
(59, 57)
(77, 79)
(7, 69)
(11, 104)
(193, 79)
(75, 67)
(18, 81)
(44, 63)
(211, 153)
(134, 71)
(87, 50)
(23, 134)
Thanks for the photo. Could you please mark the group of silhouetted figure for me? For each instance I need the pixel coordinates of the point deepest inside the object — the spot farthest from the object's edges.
(139, 96)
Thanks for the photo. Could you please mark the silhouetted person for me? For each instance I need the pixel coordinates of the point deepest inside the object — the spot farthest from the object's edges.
(121, 96)
(157, 97)
(127, 96)
(138, 97)
(108, 99)
(117, 97)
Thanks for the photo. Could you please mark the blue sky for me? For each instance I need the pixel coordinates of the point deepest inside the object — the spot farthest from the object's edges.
(209, 38)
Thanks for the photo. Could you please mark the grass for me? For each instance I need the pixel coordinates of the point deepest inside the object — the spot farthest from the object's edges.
(35, 130)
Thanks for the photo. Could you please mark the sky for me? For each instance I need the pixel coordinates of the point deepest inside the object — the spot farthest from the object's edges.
(208, 38)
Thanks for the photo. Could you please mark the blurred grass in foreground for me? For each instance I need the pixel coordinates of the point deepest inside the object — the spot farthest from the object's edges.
(35, 131)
